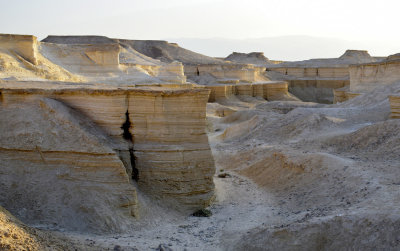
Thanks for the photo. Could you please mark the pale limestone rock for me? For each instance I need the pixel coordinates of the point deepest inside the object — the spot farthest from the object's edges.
(242, 72)
(23, 45)
(173, 157)
(316, 79)
(366, 77)
(21, 58)
(59, 168)
(271, 90)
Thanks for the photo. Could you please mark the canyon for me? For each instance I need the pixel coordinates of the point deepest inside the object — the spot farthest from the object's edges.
(116, 144)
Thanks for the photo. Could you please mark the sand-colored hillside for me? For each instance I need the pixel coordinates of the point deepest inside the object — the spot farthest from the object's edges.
(15, 235)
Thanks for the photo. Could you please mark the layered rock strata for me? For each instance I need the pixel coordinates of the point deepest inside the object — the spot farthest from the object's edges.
(58, 168)
(272, 90)
(315, 79)
(23, 45)
(84, 58)
(312, 84)
(165, 147)
(394, 107)
(366, 77)
(21, 58)
(241, 72)
(112, 58)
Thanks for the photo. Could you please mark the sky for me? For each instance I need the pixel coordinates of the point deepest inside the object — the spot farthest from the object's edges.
(370, 22)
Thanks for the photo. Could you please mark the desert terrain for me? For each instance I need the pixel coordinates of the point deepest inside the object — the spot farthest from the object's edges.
(115, 144)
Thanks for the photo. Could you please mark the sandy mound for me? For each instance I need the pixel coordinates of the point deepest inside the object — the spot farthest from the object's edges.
(330, 171)
(378, 141)
(14, 235)
(334, 233)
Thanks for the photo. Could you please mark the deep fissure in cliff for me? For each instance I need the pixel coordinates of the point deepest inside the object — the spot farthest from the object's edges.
(127, 135)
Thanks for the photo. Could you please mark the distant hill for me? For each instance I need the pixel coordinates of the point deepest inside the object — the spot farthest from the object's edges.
(283, 47)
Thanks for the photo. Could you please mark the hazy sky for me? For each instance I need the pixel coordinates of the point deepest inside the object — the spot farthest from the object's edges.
(353, 20)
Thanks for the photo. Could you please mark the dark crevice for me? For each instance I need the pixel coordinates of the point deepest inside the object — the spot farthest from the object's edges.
(127, 135)
(135, 171)
(198, 72)
(126, 126)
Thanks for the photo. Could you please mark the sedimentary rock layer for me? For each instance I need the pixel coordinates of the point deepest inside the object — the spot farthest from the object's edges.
(84, 58)
(394, 107)
(57, 167)
(313, 72)
(173, 157)
(366, 77)
(241, 72)
(24, 45)
(272, 90)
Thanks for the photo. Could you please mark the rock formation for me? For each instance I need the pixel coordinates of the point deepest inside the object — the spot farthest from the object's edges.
(366, 77)
(165, 137)
(222, 77)
(315, 79)
(57, 168)
(394, 107)
(98, 145)
(256, 58)
(110, 144)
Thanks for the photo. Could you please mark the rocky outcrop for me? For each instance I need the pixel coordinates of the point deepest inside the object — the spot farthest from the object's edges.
(357, 56)
(256, 58)
(101, 58)
(20, 59)
(241, 73)
(58, 168)
(394, 107)
(366, 77)
(84, 58)
(316, 79)
(312, 72)
(159, 134)
(272, 90)
(78, 39)
(23, 45)
(169, 52)
(314, 84)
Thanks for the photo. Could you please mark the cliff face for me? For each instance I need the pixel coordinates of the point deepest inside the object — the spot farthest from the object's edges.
(23, 45)
(316, 79)
(20, 58)
(271, 91)
(162, 129)
(313, 84)
(239, 72)
(57, 167)
(366, 77)
(394, 107)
